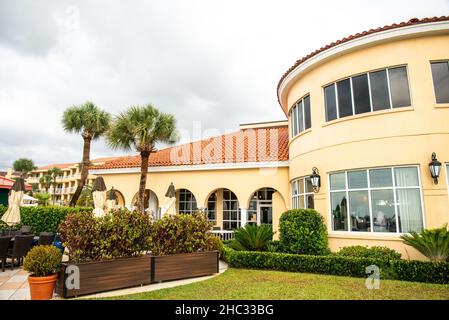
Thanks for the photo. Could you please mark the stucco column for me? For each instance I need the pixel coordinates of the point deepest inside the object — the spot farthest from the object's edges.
(243, 216)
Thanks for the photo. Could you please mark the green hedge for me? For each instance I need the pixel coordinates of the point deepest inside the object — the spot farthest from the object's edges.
(419, 271)
(43, 219)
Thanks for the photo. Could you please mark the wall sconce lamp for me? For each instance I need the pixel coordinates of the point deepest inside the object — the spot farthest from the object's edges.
(315, 179)
(434, 167)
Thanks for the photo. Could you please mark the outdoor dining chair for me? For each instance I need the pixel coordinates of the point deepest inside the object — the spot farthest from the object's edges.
(22, 245)
(25, 229)
(4, 244)
(46, 238)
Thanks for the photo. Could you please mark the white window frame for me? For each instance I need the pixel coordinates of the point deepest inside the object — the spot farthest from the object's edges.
(433, 83)
(446, 165)
(294, 116)
(215, 207)
(296, 198)
(386, 69)
(223, 220)
(192, 202)
(369, 189)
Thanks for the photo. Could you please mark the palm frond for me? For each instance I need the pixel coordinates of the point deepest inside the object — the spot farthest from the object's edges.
(252, 237)
(432, 243)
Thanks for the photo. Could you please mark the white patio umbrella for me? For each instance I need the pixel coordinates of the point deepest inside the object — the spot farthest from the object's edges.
(12, 214)
(99, 195)
(111, 202)
(28, 201)
(169, 206)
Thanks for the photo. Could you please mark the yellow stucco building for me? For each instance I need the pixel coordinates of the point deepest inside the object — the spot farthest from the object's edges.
(365, 114)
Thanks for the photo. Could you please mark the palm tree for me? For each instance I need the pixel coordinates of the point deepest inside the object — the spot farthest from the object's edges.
(141, 128)
(46, 181)
(54, 173)
(23, 165)
(92, 123)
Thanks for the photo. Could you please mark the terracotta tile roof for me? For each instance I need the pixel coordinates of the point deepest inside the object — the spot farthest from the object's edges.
(6, 183)
(71, 164)
(249, 145)
(56, 165)
(413, 21)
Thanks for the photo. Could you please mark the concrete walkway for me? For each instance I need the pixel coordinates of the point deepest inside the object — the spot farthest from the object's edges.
(14, 285)
(155, 286)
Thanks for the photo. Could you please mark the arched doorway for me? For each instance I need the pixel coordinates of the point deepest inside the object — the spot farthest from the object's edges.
(260, 208)
(151, 202)
(186, 201)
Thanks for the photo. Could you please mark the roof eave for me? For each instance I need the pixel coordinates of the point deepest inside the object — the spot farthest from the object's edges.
(357, 43)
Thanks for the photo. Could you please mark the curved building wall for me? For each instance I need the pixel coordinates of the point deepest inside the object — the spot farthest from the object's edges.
(396, 137)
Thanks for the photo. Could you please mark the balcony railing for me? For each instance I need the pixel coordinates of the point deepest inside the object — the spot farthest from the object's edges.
(224, 234)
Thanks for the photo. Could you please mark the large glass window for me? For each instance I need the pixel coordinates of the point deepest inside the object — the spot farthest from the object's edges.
(231, 210)
(360, 91)
(372, 91)
(440, 75)
(300, 118)
(187, 202)
(330, 102)
(376, 200)
(344, 98)
(302, 193)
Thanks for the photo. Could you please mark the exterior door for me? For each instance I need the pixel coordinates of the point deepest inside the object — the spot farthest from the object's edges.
(265, 214)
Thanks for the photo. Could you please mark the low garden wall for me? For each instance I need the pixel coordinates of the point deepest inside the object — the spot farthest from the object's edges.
(406, 270)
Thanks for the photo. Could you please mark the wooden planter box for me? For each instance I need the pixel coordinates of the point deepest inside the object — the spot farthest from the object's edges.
(184, 265)
(107, 275)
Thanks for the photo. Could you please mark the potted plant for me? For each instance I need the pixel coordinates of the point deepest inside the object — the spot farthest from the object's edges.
(43, 262)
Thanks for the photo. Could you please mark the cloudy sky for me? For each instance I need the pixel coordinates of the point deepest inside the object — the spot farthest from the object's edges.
(213, 64)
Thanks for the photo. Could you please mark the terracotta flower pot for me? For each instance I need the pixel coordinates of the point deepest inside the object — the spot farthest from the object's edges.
(41, 288)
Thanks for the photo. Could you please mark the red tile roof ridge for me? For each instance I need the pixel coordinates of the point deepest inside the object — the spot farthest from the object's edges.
(162, 157)
(412, 21)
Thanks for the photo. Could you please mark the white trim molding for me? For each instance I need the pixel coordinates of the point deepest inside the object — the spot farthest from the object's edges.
(439, 27)
(196, 167)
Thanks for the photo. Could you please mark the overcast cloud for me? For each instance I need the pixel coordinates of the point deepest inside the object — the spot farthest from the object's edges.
(213, 64)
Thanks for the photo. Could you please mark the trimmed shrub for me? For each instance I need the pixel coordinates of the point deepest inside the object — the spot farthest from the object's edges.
(182, 233)
(303, 231)
(421, 271)
(432, 243)
(252, 237)
(42, 261)
(124, 233)
(375, 252)
(121, 233)
(43, 219)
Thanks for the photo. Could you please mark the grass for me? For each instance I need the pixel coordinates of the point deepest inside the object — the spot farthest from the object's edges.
(236, 284)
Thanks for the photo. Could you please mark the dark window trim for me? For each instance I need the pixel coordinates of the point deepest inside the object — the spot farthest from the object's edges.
(334, 83)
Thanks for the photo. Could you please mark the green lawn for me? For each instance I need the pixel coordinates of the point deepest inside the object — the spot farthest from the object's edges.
(258, 284)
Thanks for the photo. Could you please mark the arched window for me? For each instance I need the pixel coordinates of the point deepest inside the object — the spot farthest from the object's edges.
(186, 201)
(231, 210)
(212, 207)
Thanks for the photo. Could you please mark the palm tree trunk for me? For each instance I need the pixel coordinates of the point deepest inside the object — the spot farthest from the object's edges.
(144, 156)
(84, 170)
